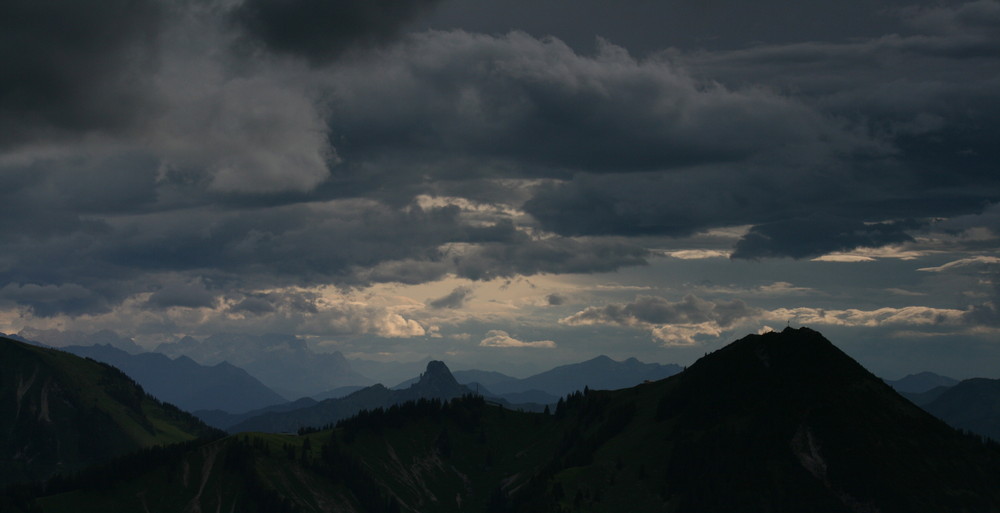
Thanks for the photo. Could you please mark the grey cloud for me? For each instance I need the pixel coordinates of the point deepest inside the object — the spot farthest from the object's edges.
(555, 299)
(928, 153)
(813, 236)
(557, 256)
(254, 305)
(321, 30)
(535, 107)
(73, 67)
(191, 294)
(50, 300)
(655, 310)
(454, 299)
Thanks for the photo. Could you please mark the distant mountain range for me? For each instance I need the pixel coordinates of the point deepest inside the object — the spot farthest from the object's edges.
(185, 383)
(775, 422)
(436, 382)
(972, 405)
(284, 363)
(600, 373)
(60, 413)
(921, 382)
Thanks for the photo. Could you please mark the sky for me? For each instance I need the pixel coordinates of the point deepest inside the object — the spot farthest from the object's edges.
(507, 185)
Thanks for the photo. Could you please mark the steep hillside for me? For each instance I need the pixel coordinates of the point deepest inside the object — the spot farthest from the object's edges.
(775, 422)
(60, 412)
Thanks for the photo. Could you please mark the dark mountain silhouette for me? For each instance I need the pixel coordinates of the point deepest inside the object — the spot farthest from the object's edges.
(185, 383)
(283, 363)
(60, 412)
(921, 382)
(435, 383)
(770, 423)
(789, 411)
(972, 404)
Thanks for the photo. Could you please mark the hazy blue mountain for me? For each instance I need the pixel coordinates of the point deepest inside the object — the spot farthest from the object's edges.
(921, 382)
(284, 363)
(600, 373)
(435, 383)
(972, 404)
(185, 383)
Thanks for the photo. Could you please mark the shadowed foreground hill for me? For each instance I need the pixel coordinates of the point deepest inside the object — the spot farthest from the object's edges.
(771, 423)
(60, 412)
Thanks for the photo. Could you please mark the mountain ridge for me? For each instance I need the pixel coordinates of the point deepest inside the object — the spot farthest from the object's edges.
(61, 412)
(435, 383)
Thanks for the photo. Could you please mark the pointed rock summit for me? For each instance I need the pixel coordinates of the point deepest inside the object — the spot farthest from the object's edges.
(438, 382)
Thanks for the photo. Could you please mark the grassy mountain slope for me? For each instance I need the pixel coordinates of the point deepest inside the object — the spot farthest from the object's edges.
(60, 412)
(424, 456)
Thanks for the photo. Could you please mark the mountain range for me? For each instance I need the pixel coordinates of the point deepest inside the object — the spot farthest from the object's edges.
(600, 373)
(436, 382)
(774, 422)
(284, 363)
(185, 383)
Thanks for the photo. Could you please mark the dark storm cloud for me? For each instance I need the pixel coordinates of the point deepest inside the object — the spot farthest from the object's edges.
(254, 305)
(814, 236)
(555, 256)
(926, 101)
(192, 294)
(268, 173)
(320, 30)
(50, 300)
(454, 299)
(71, 67)
(478, 105)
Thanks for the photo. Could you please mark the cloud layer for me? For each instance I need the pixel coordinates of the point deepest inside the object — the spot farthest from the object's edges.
(227, 164)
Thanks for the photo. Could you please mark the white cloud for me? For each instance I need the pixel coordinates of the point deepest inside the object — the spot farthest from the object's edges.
(499, 338)
(697, 254)
(871, 254)
(976, 262)
(685, 334)
(905, 316)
